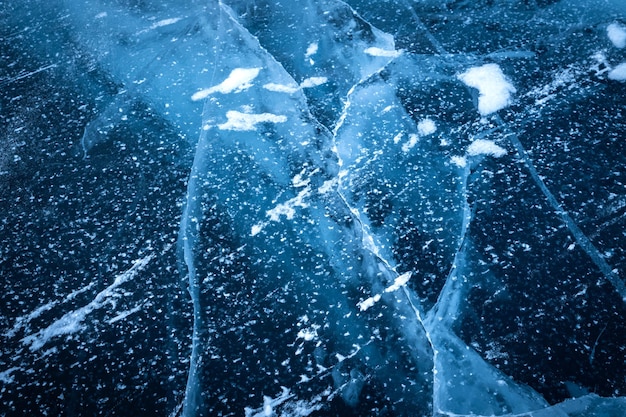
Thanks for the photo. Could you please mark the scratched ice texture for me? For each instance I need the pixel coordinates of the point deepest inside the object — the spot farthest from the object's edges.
(313, 208)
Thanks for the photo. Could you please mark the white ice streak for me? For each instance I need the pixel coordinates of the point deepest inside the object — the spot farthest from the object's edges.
(379, 52)
(617, 34)
(124, 314)
(155, 25)
(485, 147)
(6, 377)
(493, 87)
(313, 82)
(238, 80)
(398, 283)
(72, 322)
(23, 321)
(247, 121)
(618, 73)
(165, 22)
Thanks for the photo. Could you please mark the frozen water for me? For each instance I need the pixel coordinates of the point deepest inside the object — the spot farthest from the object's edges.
(313, 208)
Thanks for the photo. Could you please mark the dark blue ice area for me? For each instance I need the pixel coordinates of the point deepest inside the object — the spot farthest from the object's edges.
(313, 208)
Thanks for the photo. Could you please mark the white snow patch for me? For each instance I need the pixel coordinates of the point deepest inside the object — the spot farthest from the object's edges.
(256, 229)
(269, 404)
(485, 147)
(72, 322)
(493, 87)
(397, 138)
(327, 186)
(618, 73)
(287, 209)
(239, 79)
(312, 49)
(101, 15)
(459, 161)
(617, 34)
(413, 138)
(379, 52)
(299, 181)
(313, 82)
(247, 121)
(426, 127)
(280, 88)
(309, 333)
(365, 304)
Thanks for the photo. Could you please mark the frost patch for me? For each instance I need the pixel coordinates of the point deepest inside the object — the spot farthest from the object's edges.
(485, 147)
(238, 80)
(493, 87)
(246, 121)
(616, 34)
(618, 73)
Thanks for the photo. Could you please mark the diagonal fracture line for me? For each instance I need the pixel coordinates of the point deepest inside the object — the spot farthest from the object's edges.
(585, 243)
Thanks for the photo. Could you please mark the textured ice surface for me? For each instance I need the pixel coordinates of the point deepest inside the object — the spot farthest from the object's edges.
(263, 208)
